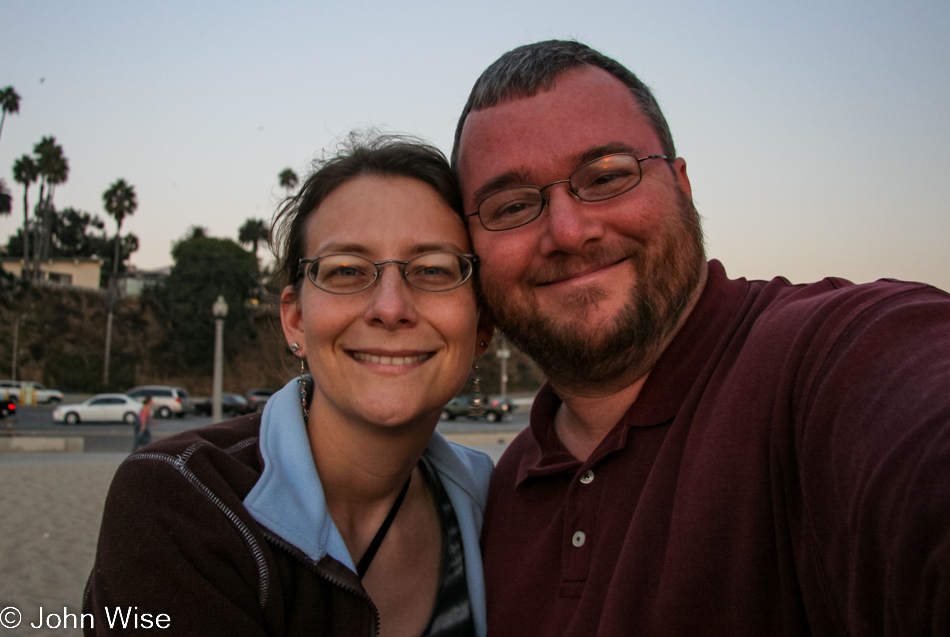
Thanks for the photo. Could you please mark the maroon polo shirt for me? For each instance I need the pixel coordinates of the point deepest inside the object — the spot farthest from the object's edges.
(785, 470)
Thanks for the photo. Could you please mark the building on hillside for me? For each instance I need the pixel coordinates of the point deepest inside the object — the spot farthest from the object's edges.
(60, 271)
(134, 282)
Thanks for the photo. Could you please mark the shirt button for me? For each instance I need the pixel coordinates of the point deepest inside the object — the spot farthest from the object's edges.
(578, 539)
(588, 477)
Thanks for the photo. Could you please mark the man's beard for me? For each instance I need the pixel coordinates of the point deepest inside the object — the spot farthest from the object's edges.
(588, 356)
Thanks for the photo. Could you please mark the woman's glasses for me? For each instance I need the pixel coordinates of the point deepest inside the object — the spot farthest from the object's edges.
(351, 273)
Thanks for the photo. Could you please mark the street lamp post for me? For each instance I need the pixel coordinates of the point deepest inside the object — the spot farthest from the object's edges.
(220, 311)
(503, 354)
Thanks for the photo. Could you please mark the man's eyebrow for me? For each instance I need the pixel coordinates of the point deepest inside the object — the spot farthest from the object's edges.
(500, 182)
(611, 148)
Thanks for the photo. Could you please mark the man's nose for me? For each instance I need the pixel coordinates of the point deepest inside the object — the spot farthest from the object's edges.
(569, 224)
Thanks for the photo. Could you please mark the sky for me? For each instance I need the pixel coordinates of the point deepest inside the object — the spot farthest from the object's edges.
(816, 133)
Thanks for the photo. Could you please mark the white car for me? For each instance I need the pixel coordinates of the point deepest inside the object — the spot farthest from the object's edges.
(101, 408)
(12, 388)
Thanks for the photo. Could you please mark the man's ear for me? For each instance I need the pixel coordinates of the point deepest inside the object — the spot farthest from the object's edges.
(291, 319)
(679, 169)
(483, 333)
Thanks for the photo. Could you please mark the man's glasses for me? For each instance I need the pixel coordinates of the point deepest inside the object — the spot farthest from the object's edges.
(604, 178)
(351, 273)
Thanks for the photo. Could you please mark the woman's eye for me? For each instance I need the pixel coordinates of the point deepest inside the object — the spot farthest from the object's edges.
(343, 272)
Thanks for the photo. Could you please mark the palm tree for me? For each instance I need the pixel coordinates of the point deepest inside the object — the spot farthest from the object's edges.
(6, 199)
(288, 180)
(119, 201)
(25, 172)
(9, 103)
(53, 170)
(252, 232)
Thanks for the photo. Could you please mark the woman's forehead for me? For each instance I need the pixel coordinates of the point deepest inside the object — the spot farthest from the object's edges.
(385, 213)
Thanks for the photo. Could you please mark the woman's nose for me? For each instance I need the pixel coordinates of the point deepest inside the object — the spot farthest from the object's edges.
(391, 301)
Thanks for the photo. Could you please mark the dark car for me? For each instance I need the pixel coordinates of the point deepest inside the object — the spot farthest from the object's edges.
(7, 408)
(259, 397)
(231, 405)
(493, 409)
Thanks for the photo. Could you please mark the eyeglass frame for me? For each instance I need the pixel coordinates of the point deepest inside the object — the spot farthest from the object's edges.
(304, 267)
(571, 189)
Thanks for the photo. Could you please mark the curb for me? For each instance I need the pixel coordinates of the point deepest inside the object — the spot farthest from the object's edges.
(41, 444)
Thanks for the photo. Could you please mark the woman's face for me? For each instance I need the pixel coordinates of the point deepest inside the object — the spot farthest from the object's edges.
(391, 353)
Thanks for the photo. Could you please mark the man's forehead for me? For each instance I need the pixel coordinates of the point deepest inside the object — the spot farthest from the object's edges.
(586, 109)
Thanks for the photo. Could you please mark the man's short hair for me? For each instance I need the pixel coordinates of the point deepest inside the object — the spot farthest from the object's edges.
(528, 69)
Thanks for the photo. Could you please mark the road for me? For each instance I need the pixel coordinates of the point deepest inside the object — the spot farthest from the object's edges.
(117, 437)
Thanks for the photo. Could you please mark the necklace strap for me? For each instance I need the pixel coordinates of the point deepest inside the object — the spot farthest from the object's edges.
(370, 553)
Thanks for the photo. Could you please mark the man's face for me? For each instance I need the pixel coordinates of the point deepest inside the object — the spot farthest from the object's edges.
(587, 289)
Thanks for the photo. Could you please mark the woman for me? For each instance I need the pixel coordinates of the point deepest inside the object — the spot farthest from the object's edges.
(142, 429)
(338, 511)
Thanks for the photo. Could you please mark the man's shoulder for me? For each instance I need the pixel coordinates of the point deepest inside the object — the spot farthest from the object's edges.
(838, 301)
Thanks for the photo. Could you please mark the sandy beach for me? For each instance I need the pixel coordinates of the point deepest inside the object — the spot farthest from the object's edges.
(51, 508)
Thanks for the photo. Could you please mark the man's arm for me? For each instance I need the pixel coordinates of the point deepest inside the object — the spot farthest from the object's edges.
(874, 463)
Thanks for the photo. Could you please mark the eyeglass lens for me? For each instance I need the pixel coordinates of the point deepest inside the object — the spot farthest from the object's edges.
(350, 273)
(601, 179)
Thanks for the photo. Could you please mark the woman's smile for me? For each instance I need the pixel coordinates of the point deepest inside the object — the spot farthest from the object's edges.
(392, 358)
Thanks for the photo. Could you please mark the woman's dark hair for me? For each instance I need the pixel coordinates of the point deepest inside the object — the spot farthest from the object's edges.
(361, 153)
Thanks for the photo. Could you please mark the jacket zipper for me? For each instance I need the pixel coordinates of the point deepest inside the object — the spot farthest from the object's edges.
(313, 566)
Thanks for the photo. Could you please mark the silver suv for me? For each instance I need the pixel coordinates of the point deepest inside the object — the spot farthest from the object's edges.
(166, 400)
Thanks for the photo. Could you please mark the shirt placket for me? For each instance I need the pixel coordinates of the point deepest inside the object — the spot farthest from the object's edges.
(579, 532)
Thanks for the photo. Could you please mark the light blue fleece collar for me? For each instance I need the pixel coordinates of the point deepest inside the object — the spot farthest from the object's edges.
(288, 498)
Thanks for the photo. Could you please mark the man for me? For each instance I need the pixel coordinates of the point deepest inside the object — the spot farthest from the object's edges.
(710, 456)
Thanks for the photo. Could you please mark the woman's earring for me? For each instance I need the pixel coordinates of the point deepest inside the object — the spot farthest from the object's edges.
(302, 381)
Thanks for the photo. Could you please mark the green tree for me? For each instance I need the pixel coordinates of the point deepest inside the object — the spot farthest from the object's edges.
(252, 232)
(79, 234)
(26, 172)
(6, 199)
(119, 201)
(204, 267)
(288, 179)
(9, 103)
(197, 232)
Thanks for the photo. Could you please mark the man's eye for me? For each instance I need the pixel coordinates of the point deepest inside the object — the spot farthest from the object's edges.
(510, 209)
(606, 178)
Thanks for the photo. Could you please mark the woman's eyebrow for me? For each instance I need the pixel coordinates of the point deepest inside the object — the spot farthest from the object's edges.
(363, 250)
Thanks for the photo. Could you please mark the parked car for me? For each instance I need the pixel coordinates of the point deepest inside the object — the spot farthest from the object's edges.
(232, 404)
(12, 388)
(7, 408)
(493, 409)
(259, 397)
(166, 400)
(100, 408)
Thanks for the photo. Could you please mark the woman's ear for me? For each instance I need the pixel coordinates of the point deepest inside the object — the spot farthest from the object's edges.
(291, 319)
(483, 334)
